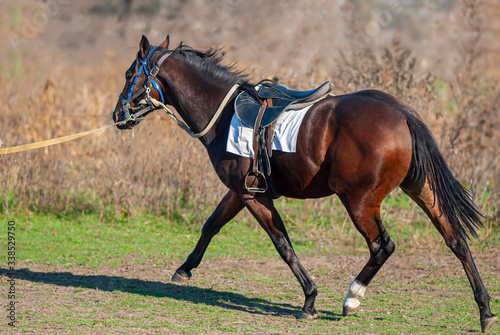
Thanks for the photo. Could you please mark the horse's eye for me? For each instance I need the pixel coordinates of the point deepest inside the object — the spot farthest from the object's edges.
(128, 75)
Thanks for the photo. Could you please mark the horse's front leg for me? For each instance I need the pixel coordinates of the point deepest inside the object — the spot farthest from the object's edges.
(227, 209)
(262, 208)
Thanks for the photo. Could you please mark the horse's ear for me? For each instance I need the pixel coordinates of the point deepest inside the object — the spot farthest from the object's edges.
(144, 47)
(166, 42)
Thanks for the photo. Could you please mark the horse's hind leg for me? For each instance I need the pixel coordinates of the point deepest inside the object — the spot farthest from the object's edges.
(227, 209)
(424, 197)
(262, 208)
(365, 213)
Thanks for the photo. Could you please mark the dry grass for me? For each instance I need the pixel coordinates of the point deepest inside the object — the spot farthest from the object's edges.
(157, 169)
(115, 170)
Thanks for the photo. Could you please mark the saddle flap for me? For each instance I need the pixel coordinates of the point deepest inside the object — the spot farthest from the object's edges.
(247, 107)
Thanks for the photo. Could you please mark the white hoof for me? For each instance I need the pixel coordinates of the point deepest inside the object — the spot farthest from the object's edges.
(348, 310)
(351, 303)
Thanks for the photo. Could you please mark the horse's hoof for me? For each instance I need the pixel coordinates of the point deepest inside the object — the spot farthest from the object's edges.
(348, 310)
(181, 277)
(489, 323)
(307, 316)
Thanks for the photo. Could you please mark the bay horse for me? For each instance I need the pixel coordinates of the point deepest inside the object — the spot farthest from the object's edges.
(359, 146)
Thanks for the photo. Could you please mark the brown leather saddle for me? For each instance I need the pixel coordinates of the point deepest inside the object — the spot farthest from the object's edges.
(261, 113)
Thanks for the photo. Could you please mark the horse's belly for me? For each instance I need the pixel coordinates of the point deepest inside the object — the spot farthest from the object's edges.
(297, 178)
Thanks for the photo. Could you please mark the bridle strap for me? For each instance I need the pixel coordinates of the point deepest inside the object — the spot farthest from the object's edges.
(150, 81)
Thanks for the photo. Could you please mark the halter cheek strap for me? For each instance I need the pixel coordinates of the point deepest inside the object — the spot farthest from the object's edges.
(155, 85)
(146, 88)
(144, 64)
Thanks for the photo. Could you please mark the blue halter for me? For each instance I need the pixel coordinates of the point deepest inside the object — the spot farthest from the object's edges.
(144, 66)
(146, 88)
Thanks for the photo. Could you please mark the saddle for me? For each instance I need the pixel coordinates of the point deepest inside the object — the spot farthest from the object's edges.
(261, 113)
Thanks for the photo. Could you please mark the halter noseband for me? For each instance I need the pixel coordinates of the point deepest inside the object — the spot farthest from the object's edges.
(146, 104)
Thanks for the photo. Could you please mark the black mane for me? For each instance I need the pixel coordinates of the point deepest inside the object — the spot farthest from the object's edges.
(209, 63)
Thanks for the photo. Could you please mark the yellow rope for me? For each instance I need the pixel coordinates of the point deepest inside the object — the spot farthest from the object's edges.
(46, 143)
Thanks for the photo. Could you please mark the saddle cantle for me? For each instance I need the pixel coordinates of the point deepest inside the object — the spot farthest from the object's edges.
(281, 98)
(261, 116)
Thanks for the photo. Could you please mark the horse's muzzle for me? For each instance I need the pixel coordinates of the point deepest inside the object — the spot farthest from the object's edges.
(127, 125)
(119, 116)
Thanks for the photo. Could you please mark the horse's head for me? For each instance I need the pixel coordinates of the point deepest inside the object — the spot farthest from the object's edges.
(142, 89)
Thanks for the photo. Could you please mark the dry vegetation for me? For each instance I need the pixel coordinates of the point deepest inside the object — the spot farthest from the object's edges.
(158, 169)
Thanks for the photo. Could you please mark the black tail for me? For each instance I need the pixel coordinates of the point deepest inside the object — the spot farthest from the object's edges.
(428, 163)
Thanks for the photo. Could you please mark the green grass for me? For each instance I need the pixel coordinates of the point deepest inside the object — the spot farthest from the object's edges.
(87, 240)
(233, 301)
(77, 238)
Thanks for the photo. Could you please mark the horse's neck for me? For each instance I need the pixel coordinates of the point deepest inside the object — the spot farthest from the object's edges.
(196, 99)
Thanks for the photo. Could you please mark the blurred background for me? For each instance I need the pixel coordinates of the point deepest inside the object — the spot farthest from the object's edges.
(62, 66)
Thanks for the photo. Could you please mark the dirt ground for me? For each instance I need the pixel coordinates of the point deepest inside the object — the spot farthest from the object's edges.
(62, 286)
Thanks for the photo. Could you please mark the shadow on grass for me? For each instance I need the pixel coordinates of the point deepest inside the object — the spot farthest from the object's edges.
(228, 300)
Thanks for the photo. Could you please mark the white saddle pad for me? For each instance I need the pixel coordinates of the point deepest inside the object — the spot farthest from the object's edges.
(240, 138)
